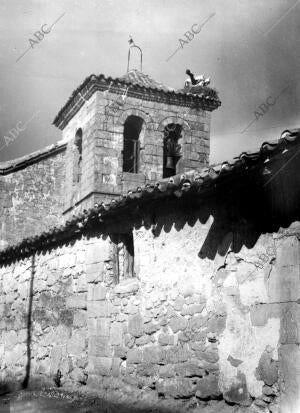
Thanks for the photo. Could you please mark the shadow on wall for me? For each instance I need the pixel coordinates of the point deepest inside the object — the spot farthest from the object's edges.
(29, 322)
(243, 208)
(7, 387)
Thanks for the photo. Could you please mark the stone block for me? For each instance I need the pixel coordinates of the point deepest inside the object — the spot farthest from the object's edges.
(22, 336)
(142, 341)
(80, 318)
(115, 369)
(94, 272)
(284, 284)
(268, 390)
(238, 393)
(57, 353)
(176, 354)
(166, 371)
(207, 387)
(116, 333)
(189, 369)
(96, 292)
(121, 352)
(290, 323)
(134, 356)
(216, 324)
(78, 375)
(77, 343)
(178, 389)
(128, 286)
(103, 327)
(198, 345)
(260, 313)
(61, 335)
(131, 309)
(23, 290)
(165, 339)
(135, 325)
(150, 328)
(267, 369)
(10, 339)
(100, 346)
(178, 303)
(92, 327)
(77, 301)
(188, 290)
(209, 355)
(147, 369)
(288, 252)
(178, 323)
(233, 361)
(100, 366)
(115, 309)
(289, 356)
(66, 261)
(80, 256)
(153, 354)
(184, 336)
(81, 362)
(99, 309)
(193, 309)
(93, 254)
(129, 340)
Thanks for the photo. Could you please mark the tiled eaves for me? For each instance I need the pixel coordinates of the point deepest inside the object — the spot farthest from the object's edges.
(195, 184)
(101, 83)
(34, 157)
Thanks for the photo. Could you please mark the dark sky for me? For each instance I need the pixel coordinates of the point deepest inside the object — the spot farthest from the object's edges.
(249, 49)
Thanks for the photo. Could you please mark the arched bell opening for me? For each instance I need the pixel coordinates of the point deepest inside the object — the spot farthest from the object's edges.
(172, 149)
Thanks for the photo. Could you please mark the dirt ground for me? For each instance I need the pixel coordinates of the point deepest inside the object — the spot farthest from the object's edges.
(47, 401)
(61, 401)
(54, 400)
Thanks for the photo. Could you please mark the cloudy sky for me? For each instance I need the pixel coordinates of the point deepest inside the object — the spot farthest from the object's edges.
(249, 49)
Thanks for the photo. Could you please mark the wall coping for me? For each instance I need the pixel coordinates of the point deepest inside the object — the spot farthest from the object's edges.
(31, 158)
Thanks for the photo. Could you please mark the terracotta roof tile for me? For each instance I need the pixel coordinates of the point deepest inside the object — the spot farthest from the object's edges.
(135, 77)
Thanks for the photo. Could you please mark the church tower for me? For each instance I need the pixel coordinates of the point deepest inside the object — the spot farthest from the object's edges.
(126, 132)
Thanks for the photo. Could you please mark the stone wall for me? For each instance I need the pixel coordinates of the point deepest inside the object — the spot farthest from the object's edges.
(44, 316)
(31, 199)
(184, 330)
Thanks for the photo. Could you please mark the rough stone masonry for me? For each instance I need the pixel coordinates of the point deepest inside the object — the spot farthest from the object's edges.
(183, 330)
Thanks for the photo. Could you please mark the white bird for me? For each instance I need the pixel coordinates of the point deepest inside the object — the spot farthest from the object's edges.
(193, 81)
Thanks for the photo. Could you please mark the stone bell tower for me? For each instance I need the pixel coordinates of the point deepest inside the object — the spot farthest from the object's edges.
(129, 131)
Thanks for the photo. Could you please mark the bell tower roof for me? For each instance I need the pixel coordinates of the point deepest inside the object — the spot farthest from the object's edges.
(141, 86)
(136, 77)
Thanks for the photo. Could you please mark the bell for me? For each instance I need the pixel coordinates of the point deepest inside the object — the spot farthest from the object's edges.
(170, 162)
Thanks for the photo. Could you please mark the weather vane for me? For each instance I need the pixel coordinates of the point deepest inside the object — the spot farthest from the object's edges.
(131, 46)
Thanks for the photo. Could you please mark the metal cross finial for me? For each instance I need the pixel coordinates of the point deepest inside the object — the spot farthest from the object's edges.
(133, 45)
